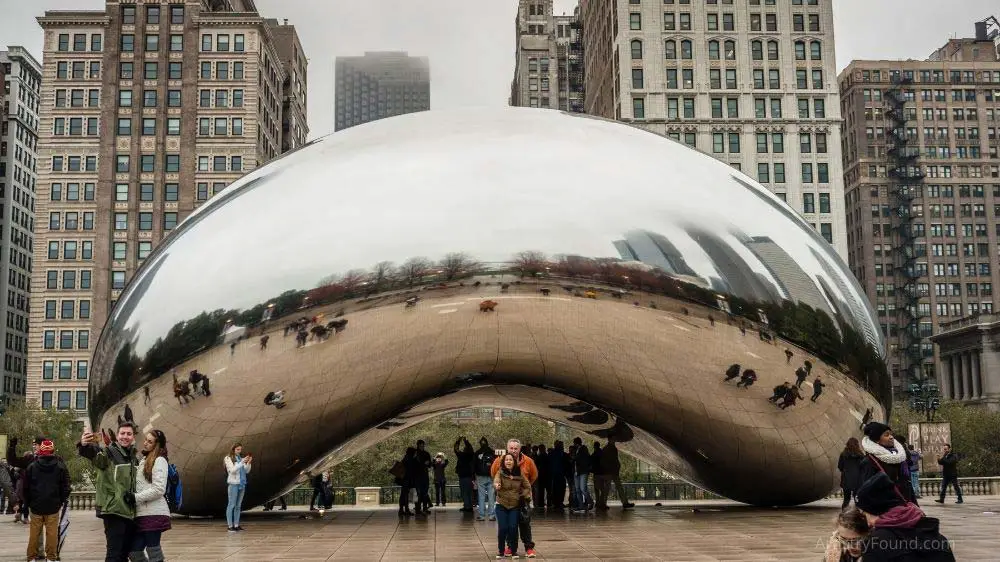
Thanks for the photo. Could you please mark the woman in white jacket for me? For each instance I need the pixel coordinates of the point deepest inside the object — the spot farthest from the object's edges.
(237, 468)
(152, 516)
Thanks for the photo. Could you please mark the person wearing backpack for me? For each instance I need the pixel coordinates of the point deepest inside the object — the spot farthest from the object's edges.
(484, 480)
(46, 490)
(152, 515)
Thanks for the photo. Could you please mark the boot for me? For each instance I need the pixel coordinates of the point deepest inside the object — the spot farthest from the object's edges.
(155, 553)
(137, 556)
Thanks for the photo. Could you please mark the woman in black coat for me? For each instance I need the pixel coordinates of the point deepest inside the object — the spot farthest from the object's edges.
(849, 466)
(884, 454)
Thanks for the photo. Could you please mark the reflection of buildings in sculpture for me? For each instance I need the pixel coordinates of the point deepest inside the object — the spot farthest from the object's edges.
(653, 249)
(737, 278)
(797, 285)
(842, 297)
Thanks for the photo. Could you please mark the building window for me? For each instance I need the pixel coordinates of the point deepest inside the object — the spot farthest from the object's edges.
(808, 203)
(119, 251)
(144, 249)
(238, 41)
(173, 126)
(81, 400)
(177, 15)
(174, 71)
(826, 231)
(128, 43)
(48, 368)
(222, 42)
(65, 339)
(83, 339)
(807, 172)
(176, 43)
(121, 221)
(636, 49)
(734, 142)
(150, 70)
(718, 143)
(169, 221)
(763, 173)
(145, 221)
(145, 192)
(63, 42)
(121, 192)
(84, 309)
(117, 280)
(236, 163)
(635, 22)
(638, 108)
(46, 399)
(202, 191)
(152, 15)
(152, 43)
(173, 163)
(206, 42)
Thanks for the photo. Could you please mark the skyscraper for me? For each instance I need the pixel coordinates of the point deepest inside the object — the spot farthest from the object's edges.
(380, 84)
(548, 68)
(21, 78)
(750, 82)
(148, 109)
(922, 181)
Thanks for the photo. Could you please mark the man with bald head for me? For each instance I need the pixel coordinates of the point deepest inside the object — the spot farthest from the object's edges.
(530, 472)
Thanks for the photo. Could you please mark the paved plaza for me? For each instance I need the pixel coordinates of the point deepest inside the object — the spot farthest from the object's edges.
(680, 531)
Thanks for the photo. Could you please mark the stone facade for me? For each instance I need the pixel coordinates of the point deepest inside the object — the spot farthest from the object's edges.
(379, 85)
(952, 126)
(548, 70)
(148, 109)
(968, 360)
(750, 82)
(20, 77)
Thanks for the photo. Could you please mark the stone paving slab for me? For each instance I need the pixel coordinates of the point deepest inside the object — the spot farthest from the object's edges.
(678, 531)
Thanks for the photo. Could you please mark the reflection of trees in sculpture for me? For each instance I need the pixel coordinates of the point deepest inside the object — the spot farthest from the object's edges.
(530, 263)
(455, 264)
(413, 270)
(383, 276)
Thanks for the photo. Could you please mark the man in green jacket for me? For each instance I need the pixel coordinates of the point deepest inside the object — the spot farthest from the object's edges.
(116, 468)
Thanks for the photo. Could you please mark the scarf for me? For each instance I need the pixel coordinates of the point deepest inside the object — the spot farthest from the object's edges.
(895, 455)
(900, 517)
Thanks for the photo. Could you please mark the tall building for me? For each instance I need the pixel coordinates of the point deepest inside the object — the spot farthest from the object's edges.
(922, 183)
(548, 68)
(742, 80)
(148, 109)
(294, 128)
(21, 76)
(379, 85)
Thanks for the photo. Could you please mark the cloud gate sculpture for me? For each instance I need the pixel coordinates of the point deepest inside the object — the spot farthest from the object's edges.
(586, 271)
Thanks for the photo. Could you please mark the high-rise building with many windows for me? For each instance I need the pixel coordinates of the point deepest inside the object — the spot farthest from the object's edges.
(548, 67)
(751, 82)
(21, 78)
(148, 109)
(922, 181)
(379, 85)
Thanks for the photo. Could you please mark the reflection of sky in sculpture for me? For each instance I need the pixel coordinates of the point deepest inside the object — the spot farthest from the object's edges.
(423, 185)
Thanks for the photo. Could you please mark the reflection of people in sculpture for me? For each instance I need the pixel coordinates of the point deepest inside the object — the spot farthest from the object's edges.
(145, 394)
(779, 392)
(197, 379)
(300, 337)
(232, 349)
(817, 389)
(263, 342)
(800, 376)
(732, 372)
(788, 356)
(276, 399)
(866, 418)
(747, 379)
(182, 389)
(791, 395)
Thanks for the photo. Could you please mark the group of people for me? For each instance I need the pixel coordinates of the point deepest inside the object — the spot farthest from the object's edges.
(130, 487)
(785, 394)
(881, 475)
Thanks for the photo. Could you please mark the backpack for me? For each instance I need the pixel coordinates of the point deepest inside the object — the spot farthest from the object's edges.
(175, 492)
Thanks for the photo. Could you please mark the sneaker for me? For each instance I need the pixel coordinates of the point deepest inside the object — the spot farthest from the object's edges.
(500, 556)
(529, 553)
(238, 528)
(514, 556)
(960, 501)
(506, 551)
(231, 529)
(493, 517)
(480, 518)
(939, 501)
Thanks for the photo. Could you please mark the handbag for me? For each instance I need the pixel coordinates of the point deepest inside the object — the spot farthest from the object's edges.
(525, 510)
(398, 470)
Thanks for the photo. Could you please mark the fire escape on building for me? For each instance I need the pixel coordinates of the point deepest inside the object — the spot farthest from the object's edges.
(575, 67)
(906, 177)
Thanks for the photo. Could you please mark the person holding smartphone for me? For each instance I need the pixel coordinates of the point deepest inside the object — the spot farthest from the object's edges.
(237, 468)
(115, 486)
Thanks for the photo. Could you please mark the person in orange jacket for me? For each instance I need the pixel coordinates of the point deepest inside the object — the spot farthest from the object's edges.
(530, 472)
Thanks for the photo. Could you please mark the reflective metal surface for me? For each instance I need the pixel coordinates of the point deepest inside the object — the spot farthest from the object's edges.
(479, 258)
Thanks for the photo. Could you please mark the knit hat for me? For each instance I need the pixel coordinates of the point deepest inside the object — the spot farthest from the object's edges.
(878, 494)
(38, 440)
(46, 448)
(874, 430)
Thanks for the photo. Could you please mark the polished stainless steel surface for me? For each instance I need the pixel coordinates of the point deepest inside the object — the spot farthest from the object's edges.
(484, 256)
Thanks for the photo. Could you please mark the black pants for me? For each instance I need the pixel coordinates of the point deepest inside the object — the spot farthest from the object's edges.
(953, 480)
(439, 495)
(524, 530)
(423, 493)
(270, 505)
(557, 494)
(404, 498)
(119, 533)
(319, 494)
(539, 490)
(848, 496)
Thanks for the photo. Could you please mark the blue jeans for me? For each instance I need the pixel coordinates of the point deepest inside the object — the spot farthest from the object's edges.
(486, 494)
(582, 494)
(915, 482)
(235, 505)
(506, 528)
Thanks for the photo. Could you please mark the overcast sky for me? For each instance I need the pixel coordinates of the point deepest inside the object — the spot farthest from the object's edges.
(470, 43)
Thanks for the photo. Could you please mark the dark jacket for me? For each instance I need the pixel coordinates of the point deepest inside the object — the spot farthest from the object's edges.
(439, 470)
(581, 461)
(921, 543)
(46, 485)
(424, 458)
(849, 466)
(870, 467)
(465, 464)
(557, 463)
(610, 464)
(484, 460)
(949, 465)
(413, 468)
(595, 460)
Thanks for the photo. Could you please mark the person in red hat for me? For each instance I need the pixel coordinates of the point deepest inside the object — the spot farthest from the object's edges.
(46, 489)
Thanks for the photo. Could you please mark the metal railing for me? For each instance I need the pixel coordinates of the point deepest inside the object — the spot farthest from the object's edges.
(636, 491)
